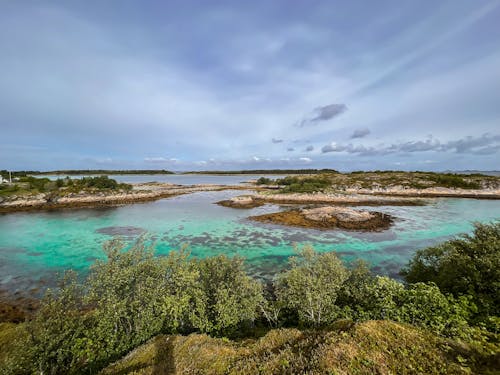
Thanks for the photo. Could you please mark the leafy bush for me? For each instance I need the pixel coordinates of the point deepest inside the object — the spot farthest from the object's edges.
(303, 185)
(465, 266)
(231, 296)
(311, 286)
(450, 180)
(133, 295)
(264, 181)
(40, 184)
(102, 182)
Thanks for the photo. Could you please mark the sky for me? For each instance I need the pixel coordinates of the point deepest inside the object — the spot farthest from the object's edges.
(199, 85)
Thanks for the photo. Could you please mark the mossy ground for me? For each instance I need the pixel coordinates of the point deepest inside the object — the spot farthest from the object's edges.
(388, 179)
(374, 347)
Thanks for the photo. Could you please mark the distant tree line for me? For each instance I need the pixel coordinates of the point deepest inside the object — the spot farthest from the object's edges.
(268, 171)
(72, 172)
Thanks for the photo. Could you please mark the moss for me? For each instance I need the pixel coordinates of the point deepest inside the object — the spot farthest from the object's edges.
(296, 218)
(374, 347)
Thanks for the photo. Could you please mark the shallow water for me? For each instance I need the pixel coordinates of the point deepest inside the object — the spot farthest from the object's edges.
(181, 179)
(35, 246)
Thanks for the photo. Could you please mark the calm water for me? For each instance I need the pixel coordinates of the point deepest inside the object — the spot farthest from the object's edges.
(35, 246)
(182, 179)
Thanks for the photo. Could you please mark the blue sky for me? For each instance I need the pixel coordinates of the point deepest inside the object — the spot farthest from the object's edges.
(349, 85)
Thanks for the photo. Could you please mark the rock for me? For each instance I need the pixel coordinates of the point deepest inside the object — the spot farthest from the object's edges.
(244, 201)
(329, 217)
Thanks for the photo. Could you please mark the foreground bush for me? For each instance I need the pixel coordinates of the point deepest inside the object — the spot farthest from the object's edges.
(127, 299)
(465, 266)
(311, 286)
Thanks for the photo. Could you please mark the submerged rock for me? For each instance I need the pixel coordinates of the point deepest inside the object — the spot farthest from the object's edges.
(329, 217)
(244, 201)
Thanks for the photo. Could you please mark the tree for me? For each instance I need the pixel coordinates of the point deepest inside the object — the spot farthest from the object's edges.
(232, 297)
(468, 265)
(125, 294)
(57, 339)
(311, 286)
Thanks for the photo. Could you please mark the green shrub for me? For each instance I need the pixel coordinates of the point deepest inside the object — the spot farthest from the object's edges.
(465, 266)
(102, 182)
(450, 180)
(311, 286)
(303, 185)
(232, 297)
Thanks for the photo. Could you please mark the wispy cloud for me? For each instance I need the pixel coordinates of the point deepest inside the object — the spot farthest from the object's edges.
(323, 113)
(360, 133)
(483, 145)
(160, 159)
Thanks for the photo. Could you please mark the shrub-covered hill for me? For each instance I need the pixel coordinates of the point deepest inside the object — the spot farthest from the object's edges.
(373, 347)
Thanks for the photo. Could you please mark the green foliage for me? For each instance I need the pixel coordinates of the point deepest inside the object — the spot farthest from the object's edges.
(311, 286)
(424, 305)
(375, 347)
(264, 181)
(232, 297)
(125, 293)
(101, 182)
(39, 184)
(466, 266)
(56, 338)
(133, 296)
(303, 185)
(453, 181)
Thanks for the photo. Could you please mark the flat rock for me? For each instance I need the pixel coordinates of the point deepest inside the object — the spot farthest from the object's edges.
(329, 217)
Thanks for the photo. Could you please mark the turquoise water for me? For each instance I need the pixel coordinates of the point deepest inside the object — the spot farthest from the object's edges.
(35, 246)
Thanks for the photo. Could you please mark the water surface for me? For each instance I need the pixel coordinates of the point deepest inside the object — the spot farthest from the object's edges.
(34, 246)
(181, 179)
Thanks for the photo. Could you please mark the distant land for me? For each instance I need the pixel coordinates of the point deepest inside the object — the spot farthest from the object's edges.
(266, 171)
(73, 172)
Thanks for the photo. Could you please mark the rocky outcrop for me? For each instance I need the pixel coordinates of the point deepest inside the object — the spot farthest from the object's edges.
(244, 201)
(329, 217)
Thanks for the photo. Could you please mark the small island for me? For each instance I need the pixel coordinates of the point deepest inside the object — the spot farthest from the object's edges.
(329, 217)
(242, 201)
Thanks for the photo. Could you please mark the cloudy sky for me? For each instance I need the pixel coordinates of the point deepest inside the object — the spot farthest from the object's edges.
(250, 84)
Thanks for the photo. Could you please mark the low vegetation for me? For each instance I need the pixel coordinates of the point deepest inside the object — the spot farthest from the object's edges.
(30, 185)
(325, 181)
(318, 316)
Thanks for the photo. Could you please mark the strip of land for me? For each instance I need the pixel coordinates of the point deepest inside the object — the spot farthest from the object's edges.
(143, 192)
(352, 189)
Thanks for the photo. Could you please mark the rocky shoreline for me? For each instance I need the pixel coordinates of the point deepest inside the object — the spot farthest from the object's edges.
(243, 201)
(329, 217)
(140, 193)
(435, 192)
(334, 198)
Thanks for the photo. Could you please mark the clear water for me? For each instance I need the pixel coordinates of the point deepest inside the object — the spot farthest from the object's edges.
(181, 179)
(35, 246)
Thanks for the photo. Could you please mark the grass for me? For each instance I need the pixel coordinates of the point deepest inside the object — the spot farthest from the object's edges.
(374, 347)
(32, 185)
(382, 179)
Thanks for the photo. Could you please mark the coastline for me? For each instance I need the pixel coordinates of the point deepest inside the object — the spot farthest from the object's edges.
(143, 192)
(146, 192)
